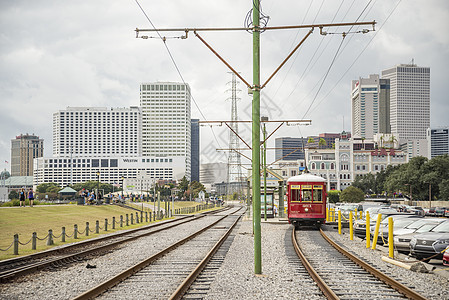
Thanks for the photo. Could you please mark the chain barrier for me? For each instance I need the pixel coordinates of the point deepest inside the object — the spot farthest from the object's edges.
(69, 236)
(9, 247)
(23, 244)
(57, 237)
(42, 239)
(81, 232)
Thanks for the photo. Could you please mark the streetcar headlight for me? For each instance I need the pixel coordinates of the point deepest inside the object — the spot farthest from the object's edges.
(306, 210)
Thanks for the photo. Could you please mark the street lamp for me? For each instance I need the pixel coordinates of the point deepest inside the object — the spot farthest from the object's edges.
(98, 185)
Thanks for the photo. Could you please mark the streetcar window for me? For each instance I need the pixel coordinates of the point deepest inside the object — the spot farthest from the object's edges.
(294, 195)
(306, 195)
(317, 193)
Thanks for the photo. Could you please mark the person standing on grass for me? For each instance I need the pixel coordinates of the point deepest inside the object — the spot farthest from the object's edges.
(31, 196)
(22, 197)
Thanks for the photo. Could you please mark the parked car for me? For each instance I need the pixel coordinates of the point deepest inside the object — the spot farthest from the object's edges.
(402, 242)
(417, 210)
(432, 211)
(416, 225)
(360, 225)
(425, 245)
(399, 221)
(446, 257)
(426, 211)
(446, 212)
(439, 211)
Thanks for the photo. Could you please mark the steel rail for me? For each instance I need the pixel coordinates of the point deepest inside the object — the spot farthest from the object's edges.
(104, 286)
(406, 291)
(184, 286)
(327, 291)
(26, 269)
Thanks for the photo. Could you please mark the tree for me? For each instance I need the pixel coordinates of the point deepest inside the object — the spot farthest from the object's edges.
(366, 182)
(13, 195)
(49, 187)
(352, 194)
(93, 185)
(333, 196)
(393, 140)
(310, 140)
(196, 187)
(322, 142)
(183, 187)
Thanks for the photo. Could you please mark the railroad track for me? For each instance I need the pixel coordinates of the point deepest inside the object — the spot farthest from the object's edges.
(76, 252)
(340, 274)
(169, 273)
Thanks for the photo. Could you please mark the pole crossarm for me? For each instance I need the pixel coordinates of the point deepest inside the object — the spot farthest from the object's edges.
(256, 28)
(373, 23)
(308, 122)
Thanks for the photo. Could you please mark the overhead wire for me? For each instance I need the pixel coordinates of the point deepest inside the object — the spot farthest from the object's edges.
(358, 56)
(177, 68)
(332, 62)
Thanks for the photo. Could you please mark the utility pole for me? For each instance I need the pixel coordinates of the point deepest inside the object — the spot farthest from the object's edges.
(255, 89)
(256, 140)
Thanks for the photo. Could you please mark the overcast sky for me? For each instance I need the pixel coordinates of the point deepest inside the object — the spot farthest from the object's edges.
(55, 54)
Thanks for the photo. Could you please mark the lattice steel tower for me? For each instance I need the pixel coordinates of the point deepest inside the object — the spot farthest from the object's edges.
(234, 178)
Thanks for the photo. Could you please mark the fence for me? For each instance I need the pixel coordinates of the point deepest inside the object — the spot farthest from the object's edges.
(129, 219)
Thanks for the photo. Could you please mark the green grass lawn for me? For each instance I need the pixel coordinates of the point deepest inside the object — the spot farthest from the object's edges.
(26, 220)
(40, 218)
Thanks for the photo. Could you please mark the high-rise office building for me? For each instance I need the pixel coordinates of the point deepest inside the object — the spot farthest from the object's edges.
(166, 130)
(195, 143)
(409, 101)
(24, 148)
(370, 109)
(288, 148)
(437, 141)
(97, 132)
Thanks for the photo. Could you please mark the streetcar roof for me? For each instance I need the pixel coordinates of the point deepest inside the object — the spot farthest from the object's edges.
(307, 177)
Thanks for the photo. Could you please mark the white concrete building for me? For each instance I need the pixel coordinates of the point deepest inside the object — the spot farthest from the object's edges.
(64, 171)
(409, 102)
(166, 130)
(97, 132)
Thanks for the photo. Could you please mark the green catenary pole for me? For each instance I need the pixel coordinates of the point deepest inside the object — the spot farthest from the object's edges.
(265, 171)
(256, 140)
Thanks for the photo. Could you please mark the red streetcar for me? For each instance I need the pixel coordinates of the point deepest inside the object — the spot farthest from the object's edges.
(306, 197)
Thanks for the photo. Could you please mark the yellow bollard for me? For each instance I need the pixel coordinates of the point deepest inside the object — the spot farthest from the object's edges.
(390, 237)
(376, 231)
(355, 213)
(368, 237)
(361, 215)
(327, 214)
(339, 222)
(351, 228)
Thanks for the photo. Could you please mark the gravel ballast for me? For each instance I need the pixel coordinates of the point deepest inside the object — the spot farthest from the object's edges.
(430, 285)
